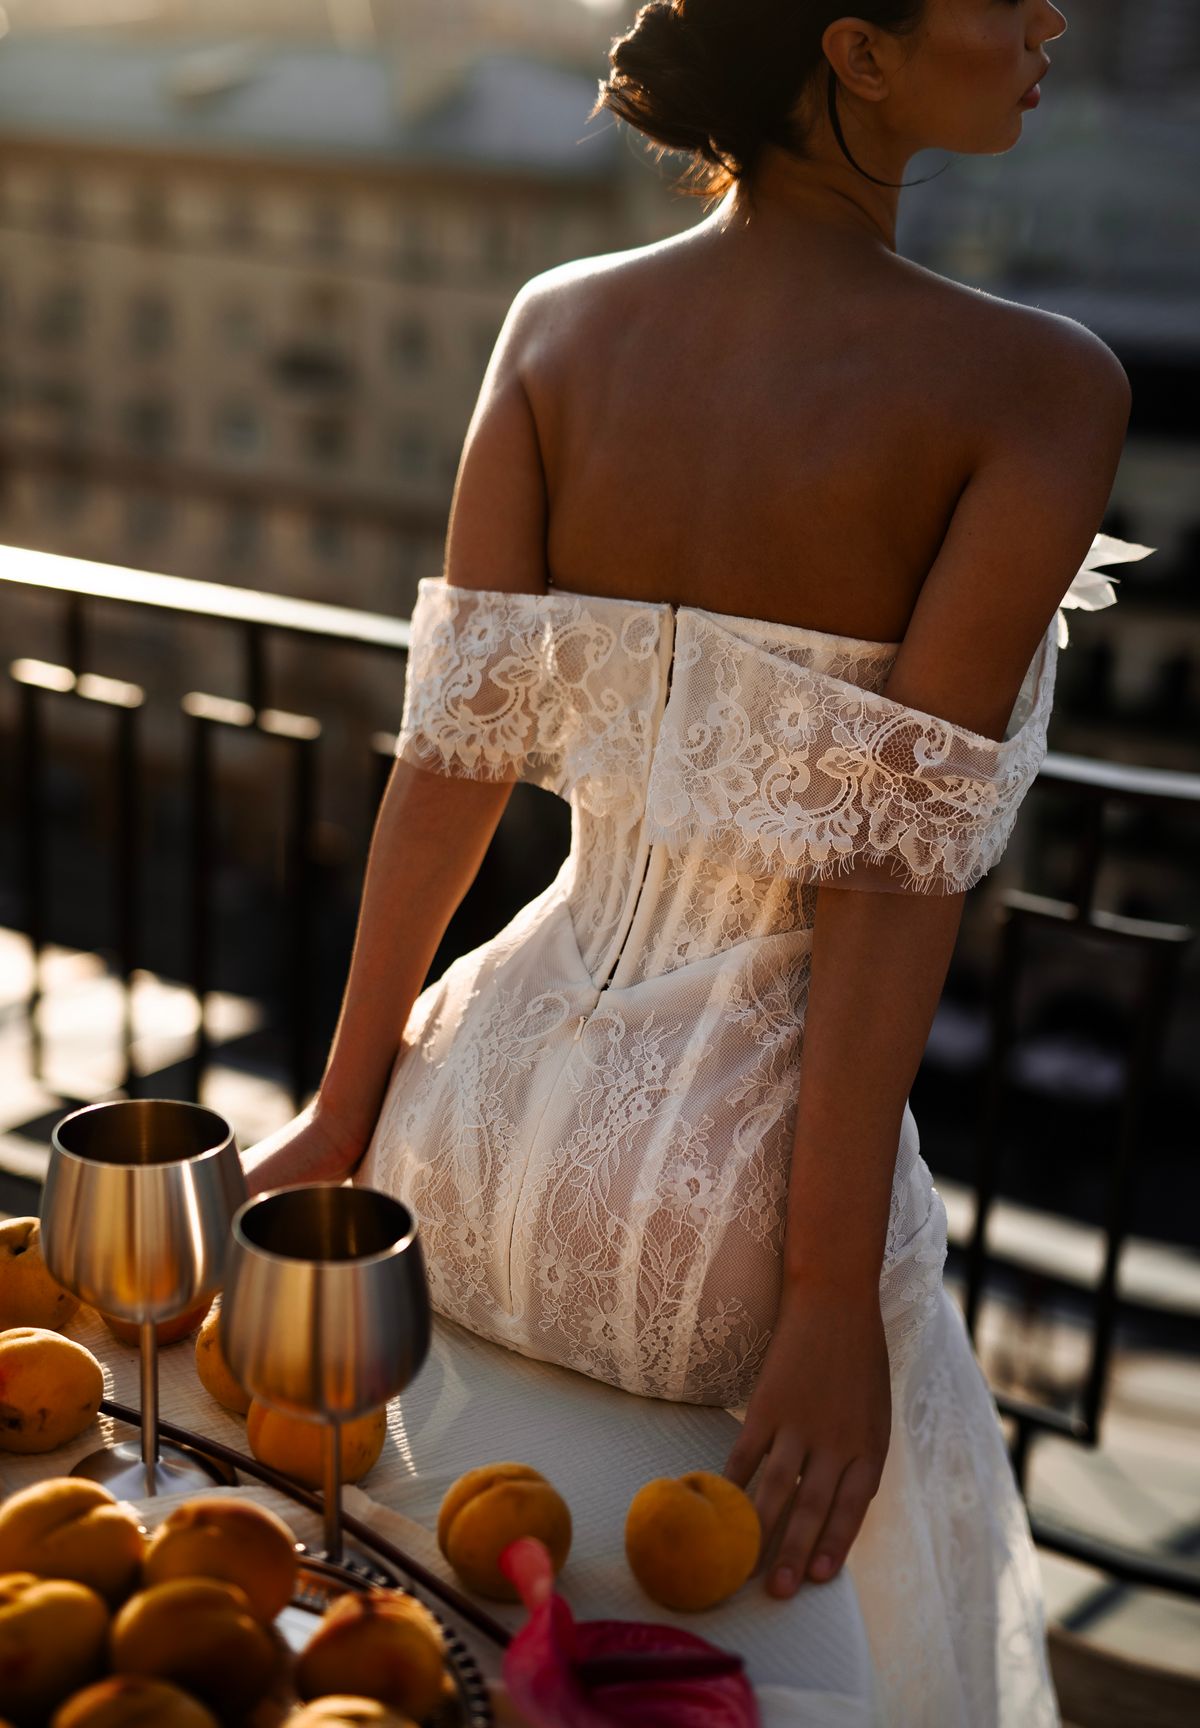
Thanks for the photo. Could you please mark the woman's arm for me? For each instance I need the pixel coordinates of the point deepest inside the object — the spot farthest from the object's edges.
(429, 841)
(432, 830)
(1023, 525)
(879, 963)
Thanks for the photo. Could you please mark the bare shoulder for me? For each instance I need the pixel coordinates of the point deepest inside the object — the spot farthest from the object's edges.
(1027, 359)
(566, 310)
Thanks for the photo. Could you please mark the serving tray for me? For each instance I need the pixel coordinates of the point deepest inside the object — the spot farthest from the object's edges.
(319, 1582)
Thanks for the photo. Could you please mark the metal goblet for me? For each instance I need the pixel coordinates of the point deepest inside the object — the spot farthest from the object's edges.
(139, 1197)
(326, 1310)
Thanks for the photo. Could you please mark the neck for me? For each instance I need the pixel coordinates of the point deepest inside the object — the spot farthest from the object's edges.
(785, 190)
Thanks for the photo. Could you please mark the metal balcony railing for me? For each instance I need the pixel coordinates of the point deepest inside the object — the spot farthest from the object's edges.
(1151, 950)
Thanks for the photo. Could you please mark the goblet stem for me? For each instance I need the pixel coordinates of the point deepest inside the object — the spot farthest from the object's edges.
(149, 1343)
(333, 1492)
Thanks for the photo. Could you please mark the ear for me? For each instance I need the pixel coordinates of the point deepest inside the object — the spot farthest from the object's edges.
(863, 57)
(499, 513)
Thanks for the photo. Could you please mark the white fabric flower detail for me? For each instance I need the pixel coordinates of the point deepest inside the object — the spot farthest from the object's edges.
(1090, 592)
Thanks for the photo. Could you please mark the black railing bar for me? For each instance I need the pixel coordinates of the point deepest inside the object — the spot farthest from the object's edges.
(75, 635)
(126, 887)
(1128, 1565)
(200, 896)
(302, 732)
(35, 679)
(1037, 908)
(1001, 999)
(24, 567)
(1068, 1424)
(1159, 977)
(31, 755)
(1120, 779)
(1090, 857)
(256, 666)
(302, 798)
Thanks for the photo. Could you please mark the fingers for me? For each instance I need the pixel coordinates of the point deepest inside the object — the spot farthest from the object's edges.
(744, 1456)
(808, 1512)
(855, 1492)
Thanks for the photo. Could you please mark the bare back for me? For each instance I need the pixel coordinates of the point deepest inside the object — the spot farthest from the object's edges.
(781, 437)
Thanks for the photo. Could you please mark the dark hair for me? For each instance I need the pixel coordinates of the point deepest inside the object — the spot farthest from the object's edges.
(719, 78)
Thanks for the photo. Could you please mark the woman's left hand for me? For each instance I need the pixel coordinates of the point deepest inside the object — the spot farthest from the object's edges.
(821, 1407)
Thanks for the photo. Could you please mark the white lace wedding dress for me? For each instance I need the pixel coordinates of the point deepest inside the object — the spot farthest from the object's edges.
(591, 1117)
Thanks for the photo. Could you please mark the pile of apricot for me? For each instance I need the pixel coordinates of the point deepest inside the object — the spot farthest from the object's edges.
(102, 1626)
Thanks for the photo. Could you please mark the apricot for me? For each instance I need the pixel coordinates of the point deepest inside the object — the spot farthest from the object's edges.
(71, 1528)
(167, 1331)
(29, 1296)
(52, 1635)
(220, 1536)
(386, 1645)
(489, 1507)
(200, 1634)
(216, 1376)
(346, 1712)
(132, 1701)
(692, 1540)
(295, 1445)
(50, 1389)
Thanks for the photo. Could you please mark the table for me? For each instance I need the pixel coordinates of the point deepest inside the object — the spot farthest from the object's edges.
(475, 1402)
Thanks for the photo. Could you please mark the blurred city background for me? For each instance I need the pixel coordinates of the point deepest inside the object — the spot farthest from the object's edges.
(253, 261)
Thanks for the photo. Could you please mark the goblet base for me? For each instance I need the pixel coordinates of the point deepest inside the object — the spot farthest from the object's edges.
(178, 1468)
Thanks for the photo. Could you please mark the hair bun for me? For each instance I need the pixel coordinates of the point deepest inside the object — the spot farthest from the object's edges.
(669, 83)
(718, 79)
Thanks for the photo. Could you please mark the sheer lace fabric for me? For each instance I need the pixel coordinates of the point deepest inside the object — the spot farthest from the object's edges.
(591, 1114)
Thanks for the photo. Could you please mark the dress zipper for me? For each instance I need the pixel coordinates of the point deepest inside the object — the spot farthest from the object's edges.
(617, 957)
(583, 1018)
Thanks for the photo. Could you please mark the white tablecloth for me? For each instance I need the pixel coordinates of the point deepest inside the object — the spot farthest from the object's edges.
(473, 1403)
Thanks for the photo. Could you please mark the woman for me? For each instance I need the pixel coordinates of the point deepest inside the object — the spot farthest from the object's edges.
(755, 555)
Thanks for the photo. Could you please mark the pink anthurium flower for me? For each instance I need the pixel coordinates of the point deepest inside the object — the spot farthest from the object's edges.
(540, 1667)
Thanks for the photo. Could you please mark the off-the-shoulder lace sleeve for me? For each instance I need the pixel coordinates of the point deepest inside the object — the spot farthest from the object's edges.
(547, 688)
(471, 694)
(783, 769)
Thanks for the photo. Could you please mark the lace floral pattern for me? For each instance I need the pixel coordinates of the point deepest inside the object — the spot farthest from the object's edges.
(592, 1113)
(773, 766)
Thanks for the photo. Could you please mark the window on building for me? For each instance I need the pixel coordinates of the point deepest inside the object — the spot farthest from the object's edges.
(66, 497)
(59, 316)
(150, 322)
(243, 529)
(238, 429)
(63, 215)
(148, 214)
(414, 449)
(237, 323)
(328, 534)
(64, 400)
(327, 227)
(238, 228)
(147, 516)
(326, 438)
(148, 422)
(498, 249)
(416, 253)
(411, 343)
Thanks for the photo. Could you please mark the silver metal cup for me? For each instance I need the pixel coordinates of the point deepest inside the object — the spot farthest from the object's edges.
(139, 1197)
(326, 1310)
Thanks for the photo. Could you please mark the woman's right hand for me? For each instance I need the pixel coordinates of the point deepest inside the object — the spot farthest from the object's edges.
(313, 1147)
